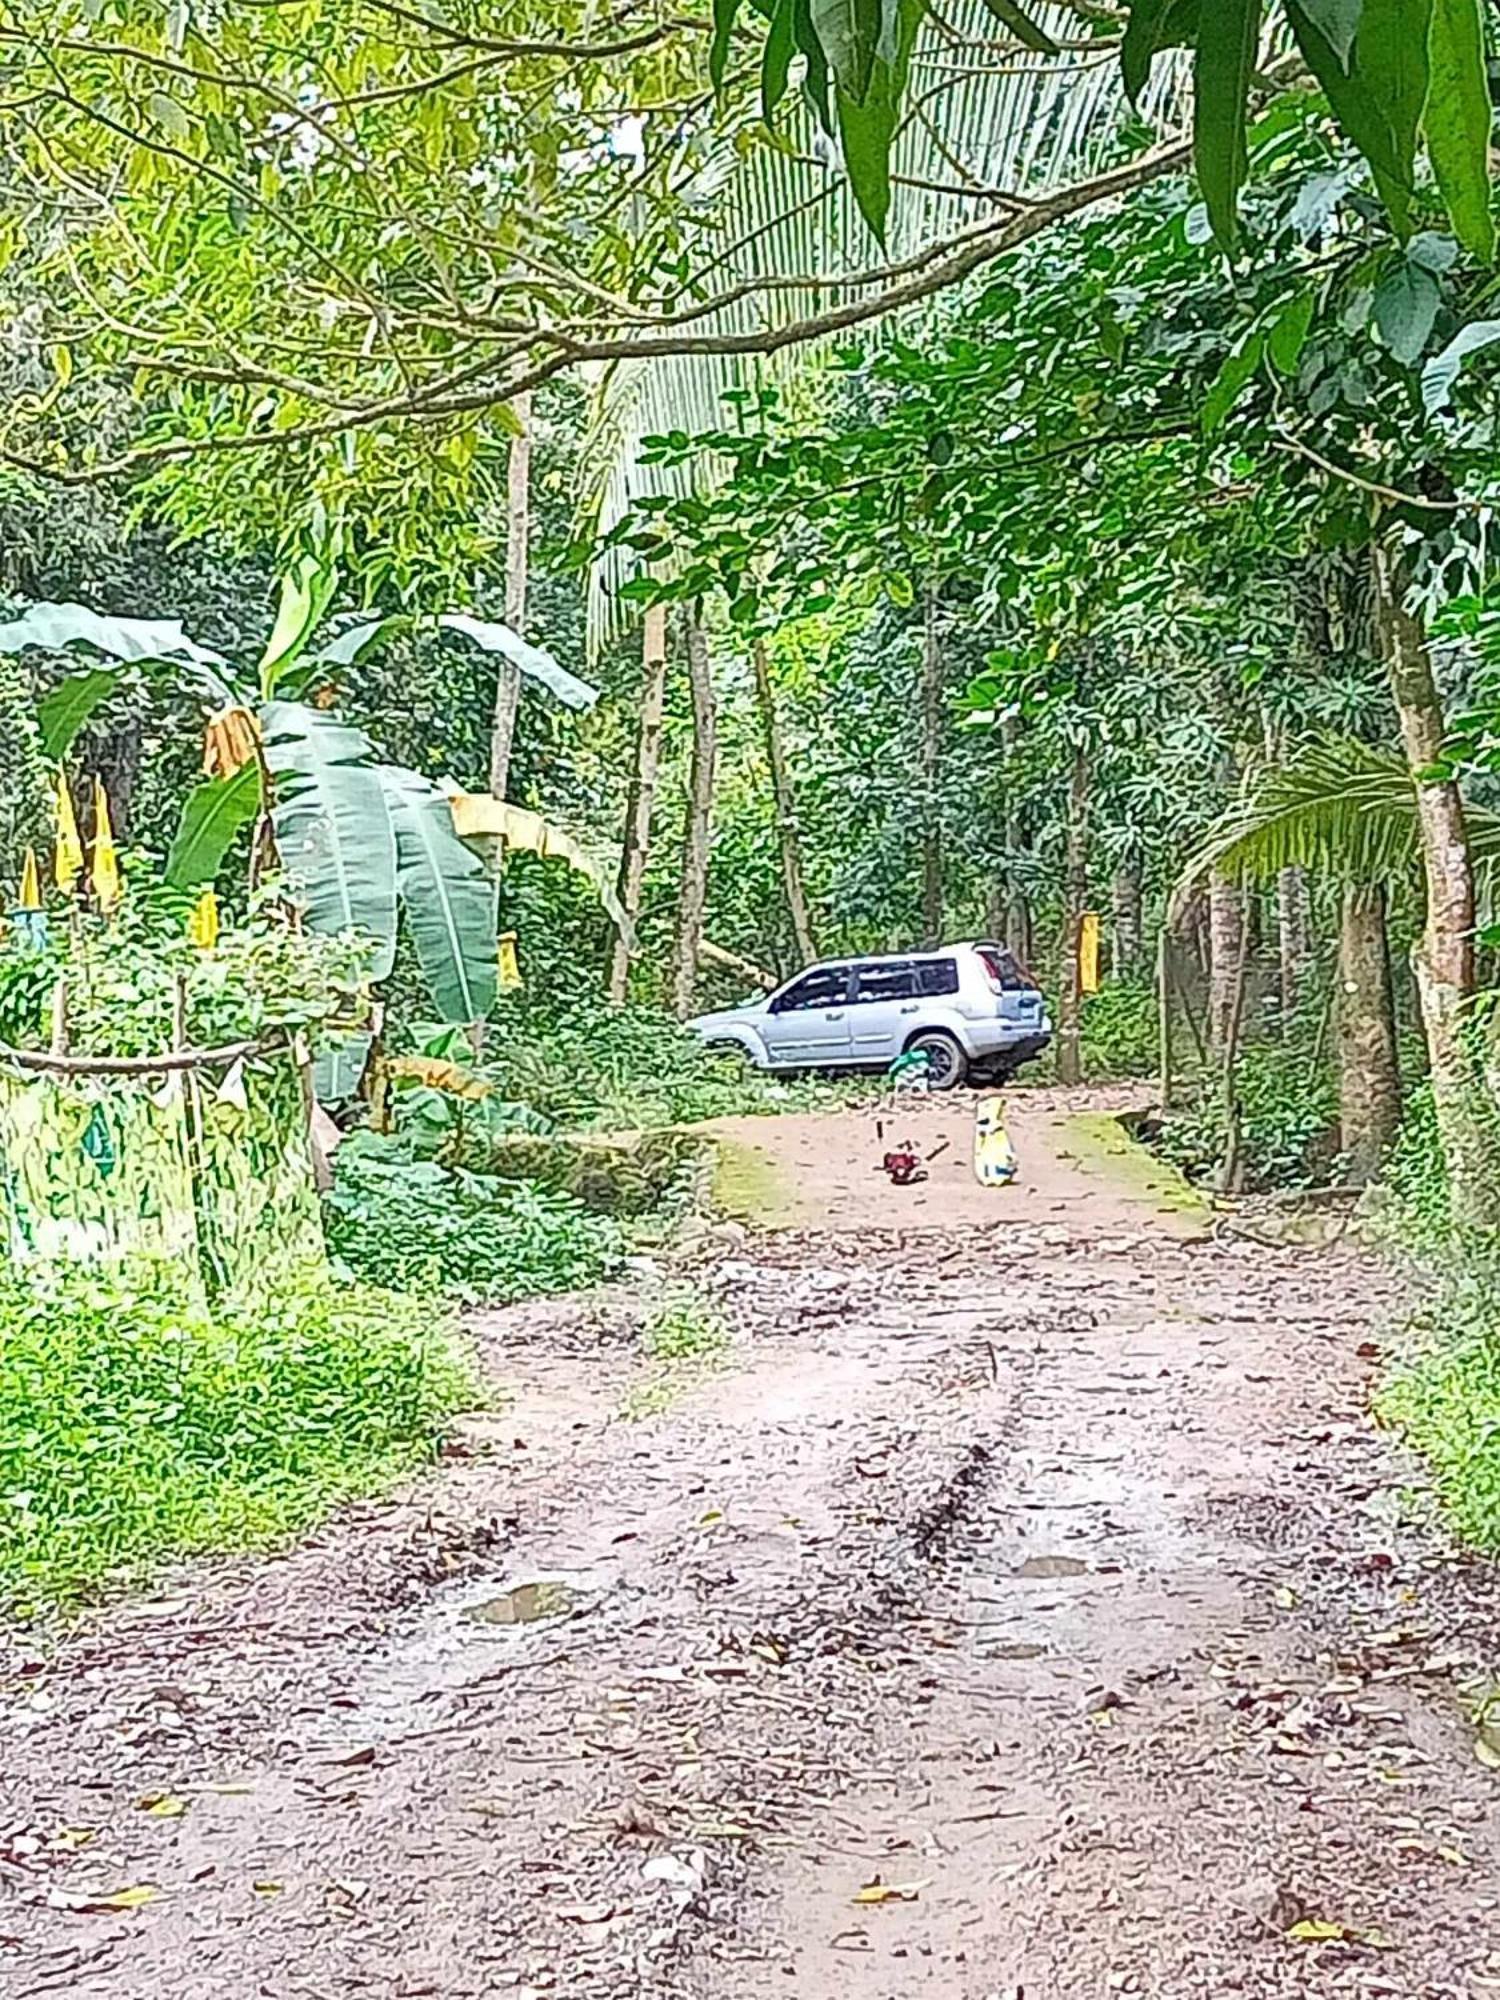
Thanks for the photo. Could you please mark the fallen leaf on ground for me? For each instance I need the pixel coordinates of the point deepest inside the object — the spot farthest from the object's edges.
(71, 1838)
(163, 1805)
(1286, 1598)
(889, 1892)
(88, 1903)
(1319, 1930)
(364, 1755)
(266, 1888)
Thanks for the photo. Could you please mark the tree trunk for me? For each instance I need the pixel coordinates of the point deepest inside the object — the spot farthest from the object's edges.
(1226, 932)
(1076, 893)
(1291, 939)
(932, 765)
(788, 830)
(1127, 906)
(1015, 924)
(517, 565)
(1369, 1076)
(699, 822)
(1445, 957)
(635, 851)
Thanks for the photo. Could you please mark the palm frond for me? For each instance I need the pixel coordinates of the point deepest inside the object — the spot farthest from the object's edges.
(977, 123)
(1338, 808)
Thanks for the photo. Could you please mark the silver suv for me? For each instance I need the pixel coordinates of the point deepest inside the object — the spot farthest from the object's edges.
(971, 1008)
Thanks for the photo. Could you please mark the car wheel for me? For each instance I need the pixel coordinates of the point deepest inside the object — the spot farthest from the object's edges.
(732, 1052)
(947, 1065)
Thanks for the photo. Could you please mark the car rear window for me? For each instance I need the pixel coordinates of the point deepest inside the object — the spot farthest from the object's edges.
(1003, 968)
(892, 980)
(937, 975)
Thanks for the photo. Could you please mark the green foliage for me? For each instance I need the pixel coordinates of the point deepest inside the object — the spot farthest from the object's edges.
(136, 1426)
(1289, 1118)
(1120, 1031)
(1414, 1204)
(122, 978)
(398, 1221)
(593, 1068)
(1444, 1394)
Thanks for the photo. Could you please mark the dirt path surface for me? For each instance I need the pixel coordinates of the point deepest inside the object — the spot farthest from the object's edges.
(1027, 1561)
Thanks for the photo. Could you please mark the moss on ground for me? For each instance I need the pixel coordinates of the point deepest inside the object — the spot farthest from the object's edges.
(1102, 1143)
(747, 1186)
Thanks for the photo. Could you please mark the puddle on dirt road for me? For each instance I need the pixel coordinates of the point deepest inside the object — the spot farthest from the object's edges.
(1037, 1566)
(523, 1604)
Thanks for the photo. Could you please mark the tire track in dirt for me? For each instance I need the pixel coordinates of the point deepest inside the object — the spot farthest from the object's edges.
(1040, 1563)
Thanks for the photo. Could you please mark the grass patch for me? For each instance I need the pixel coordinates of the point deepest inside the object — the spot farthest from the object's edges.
(137, 1426)
(687, 1337)
(747, 1188)
(1101, 1142)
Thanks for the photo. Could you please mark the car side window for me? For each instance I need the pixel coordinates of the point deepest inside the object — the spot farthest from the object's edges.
(884, 982)
(937, 976)
(827, 987)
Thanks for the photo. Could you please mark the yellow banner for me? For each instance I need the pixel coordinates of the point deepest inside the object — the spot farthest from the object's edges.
(67, 864)
(1088, 953)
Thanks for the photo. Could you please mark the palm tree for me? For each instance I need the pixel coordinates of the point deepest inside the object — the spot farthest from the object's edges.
(1350, 812)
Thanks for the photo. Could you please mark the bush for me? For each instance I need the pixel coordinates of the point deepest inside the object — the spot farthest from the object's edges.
(1289, 1116)
(619, 1069)
(394, 1220)
(1119, 1031)
(1414, 1195)
(136, 1425)
(1444, 1394)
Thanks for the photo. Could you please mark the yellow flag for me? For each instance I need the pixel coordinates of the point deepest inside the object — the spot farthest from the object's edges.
(105, 876)
(510, 969)
(203, 924)
(31, 888)
(67, 863)
(1088, 953)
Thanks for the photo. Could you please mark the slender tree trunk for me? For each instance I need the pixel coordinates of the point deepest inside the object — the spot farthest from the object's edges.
(517, 570)
(932, 767)
(1076, 893)
(635, 850)
(1226, 933)
(1015, 923)
(699, 821)
(788, 828)
(1445, 957)
(1127, 907)
(1369, 1075)
(1291, 938)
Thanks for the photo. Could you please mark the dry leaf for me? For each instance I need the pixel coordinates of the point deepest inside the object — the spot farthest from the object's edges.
(1287, 1598)
(163, 1805)
(71, 1838)
(1487, 1752)
(266, 1888)
(1317, 1930)
(134, 1898)
(352, 1758)
(889, 1892)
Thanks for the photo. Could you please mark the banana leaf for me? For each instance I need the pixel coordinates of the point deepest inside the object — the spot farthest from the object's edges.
(535, 662)
(214, 813)
(55, 628)
(448, 897)
(332, 826)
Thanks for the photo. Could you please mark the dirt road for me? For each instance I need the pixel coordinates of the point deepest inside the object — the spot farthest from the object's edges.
(1022, 1607)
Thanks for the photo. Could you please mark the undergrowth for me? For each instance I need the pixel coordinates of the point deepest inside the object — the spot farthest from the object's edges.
(136, 1425)
(418, 1226)
(1289, 1111)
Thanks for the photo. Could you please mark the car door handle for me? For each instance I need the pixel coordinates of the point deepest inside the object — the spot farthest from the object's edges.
(911, 1009)
(836, 1016)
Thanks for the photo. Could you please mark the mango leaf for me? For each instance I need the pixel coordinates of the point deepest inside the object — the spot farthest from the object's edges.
(776, 61)
(849, 33)
(1155, 25)
(1405, 306)
(718, 54)
(1288, 332)
(62, 713)
(214, 813)
(1441, 372)
(448, 897)
(1338, 22)
(1457, 121)
(1224, 62)
(867, 125)
(1239, 365)
(332, 826)
(1355, 102)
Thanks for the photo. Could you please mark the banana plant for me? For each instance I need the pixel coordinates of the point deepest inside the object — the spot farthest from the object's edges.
(358, 839)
